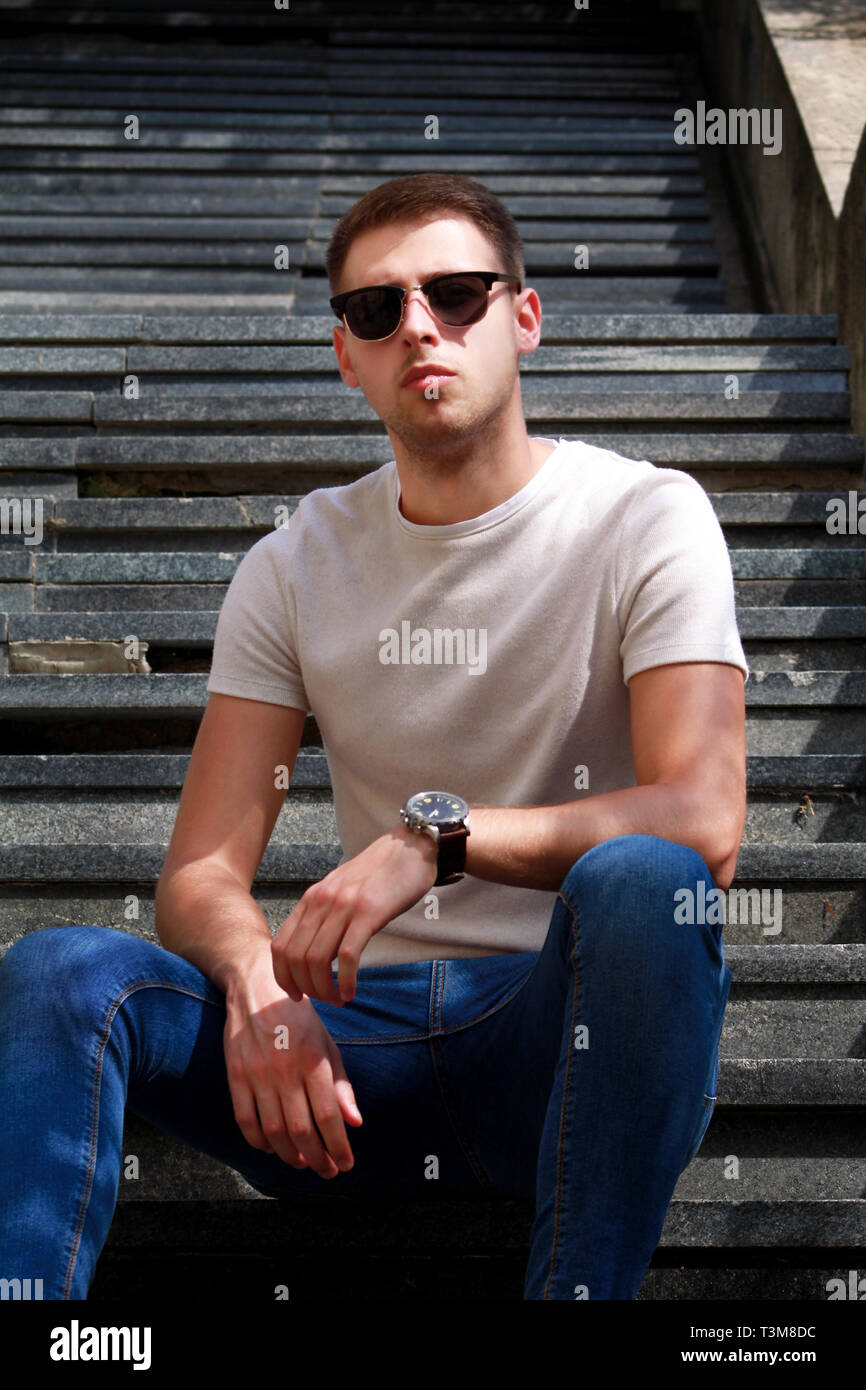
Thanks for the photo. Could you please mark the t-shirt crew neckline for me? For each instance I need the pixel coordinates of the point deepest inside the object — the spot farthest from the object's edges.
(486, 519)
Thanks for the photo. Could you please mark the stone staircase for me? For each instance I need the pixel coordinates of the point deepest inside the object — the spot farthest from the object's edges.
(164, 390)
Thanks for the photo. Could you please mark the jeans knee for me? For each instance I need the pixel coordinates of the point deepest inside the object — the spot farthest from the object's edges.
(55, 968)
(649, 869)
(31, 955)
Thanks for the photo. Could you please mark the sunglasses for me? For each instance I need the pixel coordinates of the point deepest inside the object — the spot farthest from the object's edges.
(375, 312)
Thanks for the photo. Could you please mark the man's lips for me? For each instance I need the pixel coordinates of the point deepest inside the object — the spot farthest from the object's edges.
(420, 373)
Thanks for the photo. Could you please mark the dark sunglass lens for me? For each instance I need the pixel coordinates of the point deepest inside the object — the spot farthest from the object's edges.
(459, 299)
(373, 313)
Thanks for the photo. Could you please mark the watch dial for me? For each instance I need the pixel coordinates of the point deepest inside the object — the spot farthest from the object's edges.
(438, 806)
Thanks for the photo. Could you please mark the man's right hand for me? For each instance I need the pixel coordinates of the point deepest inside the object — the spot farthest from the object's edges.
(278, 1092)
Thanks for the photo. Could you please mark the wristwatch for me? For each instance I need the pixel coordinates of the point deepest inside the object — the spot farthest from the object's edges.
(442, 816)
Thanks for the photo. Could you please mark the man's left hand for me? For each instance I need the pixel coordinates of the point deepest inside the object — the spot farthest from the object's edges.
(338, 915)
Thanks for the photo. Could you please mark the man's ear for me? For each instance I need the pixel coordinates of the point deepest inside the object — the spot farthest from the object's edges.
(528, 319)
(342, 351)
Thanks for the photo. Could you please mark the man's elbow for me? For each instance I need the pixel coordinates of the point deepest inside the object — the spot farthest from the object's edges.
(719, 824)
(721, 851)
(723, 871)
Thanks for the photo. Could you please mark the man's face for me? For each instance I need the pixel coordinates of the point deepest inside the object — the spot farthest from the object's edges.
(481, 357)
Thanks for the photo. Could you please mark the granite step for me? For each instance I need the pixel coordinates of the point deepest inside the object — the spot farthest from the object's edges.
(618, 364)
(51, 694)
(143, 286)
(748, 518)
(615, 361)
(322, 165)
(146, 256)
(819, 912)
(786, 818)
(210, 53)
(315, 86)
(311, 126)
(659, 295)
(465, 135)
(50, 466)
(101, 567)
(701, 394)
(756, 338)
(521, 26)
(66, 841)
(648, 194)
(363, 452)
(784, 1156)
(757, 518)
(228, 301)
(73, 235)
(787, 629)
(311, 92)
(265, 68)
(217, 1238)
(691, 400)
(816, 771)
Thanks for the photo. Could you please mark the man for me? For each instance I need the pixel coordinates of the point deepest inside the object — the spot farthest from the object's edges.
(523, 659)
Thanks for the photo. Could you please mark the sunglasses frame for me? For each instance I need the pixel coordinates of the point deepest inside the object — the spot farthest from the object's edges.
(489, 277)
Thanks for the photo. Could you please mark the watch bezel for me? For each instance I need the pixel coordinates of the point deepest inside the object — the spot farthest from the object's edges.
(415, 818)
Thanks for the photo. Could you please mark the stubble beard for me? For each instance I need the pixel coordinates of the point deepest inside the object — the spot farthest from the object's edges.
(442, 437)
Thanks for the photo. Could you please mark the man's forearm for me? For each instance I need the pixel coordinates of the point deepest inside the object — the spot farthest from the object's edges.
(204, 915)
(534, 847)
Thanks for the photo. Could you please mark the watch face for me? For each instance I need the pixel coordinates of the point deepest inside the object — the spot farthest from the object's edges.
(440, 808)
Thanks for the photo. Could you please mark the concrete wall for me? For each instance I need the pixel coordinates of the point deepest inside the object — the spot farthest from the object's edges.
(811, 253)
(851, 282)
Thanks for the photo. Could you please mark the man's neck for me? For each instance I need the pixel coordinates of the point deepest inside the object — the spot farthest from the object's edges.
(439, 499)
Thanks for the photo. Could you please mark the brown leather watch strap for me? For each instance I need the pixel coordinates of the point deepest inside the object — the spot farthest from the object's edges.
(452, 854)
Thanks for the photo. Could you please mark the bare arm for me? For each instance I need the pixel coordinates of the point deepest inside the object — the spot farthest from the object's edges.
(228, 809)
(689, 751)
(206, 913)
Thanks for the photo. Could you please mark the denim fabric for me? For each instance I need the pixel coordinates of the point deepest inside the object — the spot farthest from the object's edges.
(582, 1076)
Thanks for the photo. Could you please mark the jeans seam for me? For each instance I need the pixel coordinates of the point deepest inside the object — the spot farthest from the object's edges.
(557, 1209)
(493, 1008)
(440, 1071)
(440, 1031)
(439, 970)
(709, 1101)
(113, 1005)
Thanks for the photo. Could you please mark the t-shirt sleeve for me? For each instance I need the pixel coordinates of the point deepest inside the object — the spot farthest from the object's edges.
(255, 648)
(674, 585)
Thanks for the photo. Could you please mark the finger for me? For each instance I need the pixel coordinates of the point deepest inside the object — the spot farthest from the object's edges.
(289, 950)
(355, 939)
(325, 1105)
(298, 1121)
(244, 1109)
(321, 953)
(348, 1100)
(313, 946)
(279, 945)
(274, 1128)
(342, 1084)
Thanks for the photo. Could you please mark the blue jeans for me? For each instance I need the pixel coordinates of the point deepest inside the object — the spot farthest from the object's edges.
(582, 1075)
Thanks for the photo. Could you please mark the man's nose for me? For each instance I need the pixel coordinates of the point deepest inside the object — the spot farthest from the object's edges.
(425, 319)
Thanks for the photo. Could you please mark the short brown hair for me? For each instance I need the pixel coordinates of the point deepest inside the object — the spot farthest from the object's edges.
(416, 198)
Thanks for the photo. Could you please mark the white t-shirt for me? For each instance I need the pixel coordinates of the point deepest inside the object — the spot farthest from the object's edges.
(489, 657)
